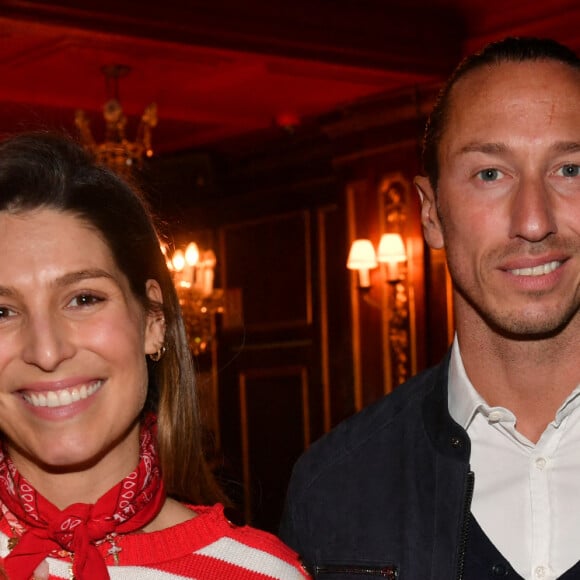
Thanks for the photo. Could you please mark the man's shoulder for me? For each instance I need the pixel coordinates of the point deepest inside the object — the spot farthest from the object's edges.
(381, 423)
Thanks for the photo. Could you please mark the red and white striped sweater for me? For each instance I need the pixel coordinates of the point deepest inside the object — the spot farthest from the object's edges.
(205, 547)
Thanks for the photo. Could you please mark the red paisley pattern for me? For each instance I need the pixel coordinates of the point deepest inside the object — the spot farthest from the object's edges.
(127, 507)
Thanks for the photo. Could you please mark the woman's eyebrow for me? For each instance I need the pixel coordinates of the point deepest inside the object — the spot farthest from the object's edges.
(74, 277)
(64, 280)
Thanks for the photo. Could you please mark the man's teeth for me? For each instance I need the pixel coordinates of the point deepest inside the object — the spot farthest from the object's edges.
(537, 270)
(63, 397)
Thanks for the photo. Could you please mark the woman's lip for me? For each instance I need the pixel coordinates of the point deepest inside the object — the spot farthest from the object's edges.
(69, 383)
(53, 398)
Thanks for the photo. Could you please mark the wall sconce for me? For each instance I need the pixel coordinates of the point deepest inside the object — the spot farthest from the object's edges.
(391, 252)
(362, 257)
(193, 276)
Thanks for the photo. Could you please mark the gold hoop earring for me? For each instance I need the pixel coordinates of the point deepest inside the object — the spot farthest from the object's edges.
(156, 356)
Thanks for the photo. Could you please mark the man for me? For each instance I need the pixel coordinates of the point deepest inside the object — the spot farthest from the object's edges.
(471, 470)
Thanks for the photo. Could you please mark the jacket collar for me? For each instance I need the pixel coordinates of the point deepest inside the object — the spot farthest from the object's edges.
(446, 435)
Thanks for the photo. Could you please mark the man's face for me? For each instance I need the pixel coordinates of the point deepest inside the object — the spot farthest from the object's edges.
(507, 209)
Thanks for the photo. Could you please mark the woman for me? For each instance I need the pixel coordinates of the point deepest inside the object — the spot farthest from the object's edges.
(100, 431)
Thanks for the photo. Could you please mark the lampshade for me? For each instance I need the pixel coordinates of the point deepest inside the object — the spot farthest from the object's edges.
(391, 249)
(361, 256)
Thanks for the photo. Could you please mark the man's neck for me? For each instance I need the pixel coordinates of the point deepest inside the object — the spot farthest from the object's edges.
(531, 378)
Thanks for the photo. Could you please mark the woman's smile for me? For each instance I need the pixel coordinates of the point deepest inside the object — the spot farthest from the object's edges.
(61, 397)
(73, 341)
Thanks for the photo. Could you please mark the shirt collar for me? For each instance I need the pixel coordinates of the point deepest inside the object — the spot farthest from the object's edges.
(464, 400)
(571, 403)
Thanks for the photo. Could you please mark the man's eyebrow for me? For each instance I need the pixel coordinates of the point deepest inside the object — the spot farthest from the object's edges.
(497, 148)
(65, 280)
(477, 147)
(566, 146)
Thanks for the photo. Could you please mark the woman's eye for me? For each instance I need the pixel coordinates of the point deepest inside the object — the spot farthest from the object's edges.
(569, 170)
(489, 174)
(84, 300)
(5, 312)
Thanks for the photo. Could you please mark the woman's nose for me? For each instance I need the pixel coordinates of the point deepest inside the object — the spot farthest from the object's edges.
(46, 341)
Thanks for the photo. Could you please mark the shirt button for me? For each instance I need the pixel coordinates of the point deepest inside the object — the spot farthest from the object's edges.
(540, 464)
(540, 572)
(495, 416)
(499, 570)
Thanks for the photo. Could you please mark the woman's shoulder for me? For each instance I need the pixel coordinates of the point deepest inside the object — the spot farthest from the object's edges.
(214, 547)
(242, 543)
(172, 513)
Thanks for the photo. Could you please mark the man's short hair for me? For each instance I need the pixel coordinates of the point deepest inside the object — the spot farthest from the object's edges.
(510, 49)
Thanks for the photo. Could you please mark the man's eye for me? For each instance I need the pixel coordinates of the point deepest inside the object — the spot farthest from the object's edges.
(569, 170)
(490, 174)
(84, 300)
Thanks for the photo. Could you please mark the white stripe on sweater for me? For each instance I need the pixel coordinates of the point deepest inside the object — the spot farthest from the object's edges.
(238, 554)
(60, 569)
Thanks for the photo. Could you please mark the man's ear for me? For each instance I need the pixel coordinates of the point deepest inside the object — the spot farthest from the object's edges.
(432, 229)
(155, 322)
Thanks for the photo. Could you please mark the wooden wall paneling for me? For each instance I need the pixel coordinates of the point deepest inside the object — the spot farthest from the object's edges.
(396, 215)
(269, 259)
(392, 193)
(367, 351)
(351, 196)
(416, 270)
(323, 249)
(332, 316)
(207, 384)
(439, 307)
(271, 442)
(368, 306)
(271, 371)
(366, 171)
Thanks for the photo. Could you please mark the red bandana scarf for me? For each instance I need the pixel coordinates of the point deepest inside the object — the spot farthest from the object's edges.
(127, 507)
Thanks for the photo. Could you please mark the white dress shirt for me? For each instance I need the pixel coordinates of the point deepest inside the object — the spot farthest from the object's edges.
(526, 496)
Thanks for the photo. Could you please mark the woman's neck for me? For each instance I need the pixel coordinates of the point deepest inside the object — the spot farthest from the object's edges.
(63, 486)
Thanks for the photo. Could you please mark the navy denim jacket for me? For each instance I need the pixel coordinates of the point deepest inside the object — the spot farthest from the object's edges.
(387, 493)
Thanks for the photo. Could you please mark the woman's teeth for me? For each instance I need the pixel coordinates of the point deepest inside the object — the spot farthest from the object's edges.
(63, 397)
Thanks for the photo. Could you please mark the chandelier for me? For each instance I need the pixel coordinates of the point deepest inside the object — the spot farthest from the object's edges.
(193, 273)
(116, 151)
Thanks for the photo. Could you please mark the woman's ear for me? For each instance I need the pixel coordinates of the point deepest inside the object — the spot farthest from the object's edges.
(432, 229)
(155, 322)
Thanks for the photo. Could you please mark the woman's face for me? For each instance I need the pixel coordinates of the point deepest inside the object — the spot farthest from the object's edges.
(73, 340)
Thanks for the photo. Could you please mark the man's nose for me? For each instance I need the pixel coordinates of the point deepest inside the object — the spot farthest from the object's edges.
(532, 211)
